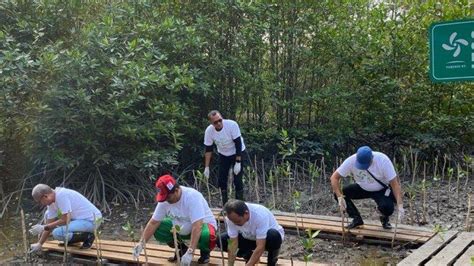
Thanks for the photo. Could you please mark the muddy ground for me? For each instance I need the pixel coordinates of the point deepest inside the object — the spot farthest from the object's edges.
(451, 215)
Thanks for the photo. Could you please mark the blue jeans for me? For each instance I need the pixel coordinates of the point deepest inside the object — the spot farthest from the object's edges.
(59, 233)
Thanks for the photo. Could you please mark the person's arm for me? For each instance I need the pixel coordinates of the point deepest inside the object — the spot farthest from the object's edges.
(207, 156)
(44, 236)
(257, 253)
(238, 149)
(149, 230)
(195, 234)
(335, 184)
(397, 190)
(232, 250)
(64, 219)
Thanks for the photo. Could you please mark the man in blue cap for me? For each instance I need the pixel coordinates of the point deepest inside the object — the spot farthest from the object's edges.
(375, 178)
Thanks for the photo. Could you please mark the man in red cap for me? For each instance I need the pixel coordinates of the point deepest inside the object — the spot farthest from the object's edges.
(186, 208)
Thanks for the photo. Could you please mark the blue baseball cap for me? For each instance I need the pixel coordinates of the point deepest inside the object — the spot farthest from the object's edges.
(363, 158)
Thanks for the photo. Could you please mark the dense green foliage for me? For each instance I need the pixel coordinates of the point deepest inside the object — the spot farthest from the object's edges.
(110, 92)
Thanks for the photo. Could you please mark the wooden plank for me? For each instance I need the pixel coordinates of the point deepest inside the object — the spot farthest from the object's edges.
(448, 254)
(428, 249)
(465, 258)
(157, 254)
(333, 225)
(367, 226)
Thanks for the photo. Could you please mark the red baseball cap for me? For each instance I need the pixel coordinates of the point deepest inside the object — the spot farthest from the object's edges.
(164, 185)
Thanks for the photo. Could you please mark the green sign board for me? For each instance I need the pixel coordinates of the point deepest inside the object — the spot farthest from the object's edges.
(452, 51)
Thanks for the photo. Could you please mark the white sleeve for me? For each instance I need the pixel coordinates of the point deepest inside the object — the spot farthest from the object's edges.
(345, 168)
(232, 230)
(235, 130)
(263, 225)
(389, 170)
(207, 137)
(160, 212)
(63, 203)
(51, 213)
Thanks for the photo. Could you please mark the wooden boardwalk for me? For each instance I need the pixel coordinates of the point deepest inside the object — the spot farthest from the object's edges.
(450, 248)
(121, 251)
(330, 224)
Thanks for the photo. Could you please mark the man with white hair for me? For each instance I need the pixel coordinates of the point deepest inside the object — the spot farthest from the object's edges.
(65, 208)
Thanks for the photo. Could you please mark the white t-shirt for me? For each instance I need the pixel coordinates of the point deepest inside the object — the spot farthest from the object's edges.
(224, 139)
(381, 167)
(260, 221)
(71, 201)
(190, 208)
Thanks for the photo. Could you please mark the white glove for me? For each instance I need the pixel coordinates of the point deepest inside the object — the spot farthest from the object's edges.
(237, 168)
(137, 250)
(187, 258)
(342, 203)
(35, 247)
(401, 212)
(37, 229)
(206, 172)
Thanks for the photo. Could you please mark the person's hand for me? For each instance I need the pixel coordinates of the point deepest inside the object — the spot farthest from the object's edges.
(206, 172)
(187, 258)
(37, 229)
(237, 168)
(342, 203)
(137, 250)
(35, 247)
(401, 212)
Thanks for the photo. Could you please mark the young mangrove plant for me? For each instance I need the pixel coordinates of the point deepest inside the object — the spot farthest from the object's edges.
(309, 242)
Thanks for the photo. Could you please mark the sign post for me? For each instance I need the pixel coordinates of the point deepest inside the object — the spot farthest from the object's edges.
(452, 51)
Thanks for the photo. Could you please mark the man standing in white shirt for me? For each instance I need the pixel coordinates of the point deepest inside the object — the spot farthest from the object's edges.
(375, 178)
(187, 208)
(225, 133)
(65, 206)
(251, 229)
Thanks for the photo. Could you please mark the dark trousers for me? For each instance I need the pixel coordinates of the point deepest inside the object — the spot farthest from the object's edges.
(246, 246)
(385, 204)
(225, 163)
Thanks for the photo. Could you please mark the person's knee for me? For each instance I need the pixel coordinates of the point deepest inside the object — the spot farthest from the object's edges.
(386, 208)
(58, 234)
(273, 240)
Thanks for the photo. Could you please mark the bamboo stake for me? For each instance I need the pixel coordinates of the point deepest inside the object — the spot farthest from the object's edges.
(343, 227)
(144, 248)
(23, 231)
(256, 180)
(395, 231)
(220, 239)
(176, 249)
(97, 241)
(66, 239)
(468, 216)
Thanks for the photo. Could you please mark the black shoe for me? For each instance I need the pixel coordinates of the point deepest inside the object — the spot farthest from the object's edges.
(205, 257)
(86, 237)
(357, 221)
(385, 222)
(89, 240)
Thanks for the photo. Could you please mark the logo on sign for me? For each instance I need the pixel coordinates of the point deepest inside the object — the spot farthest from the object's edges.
(455, 44)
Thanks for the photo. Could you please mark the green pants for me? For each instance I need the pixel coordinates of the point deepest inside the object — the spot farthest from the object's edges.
(207, 241)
